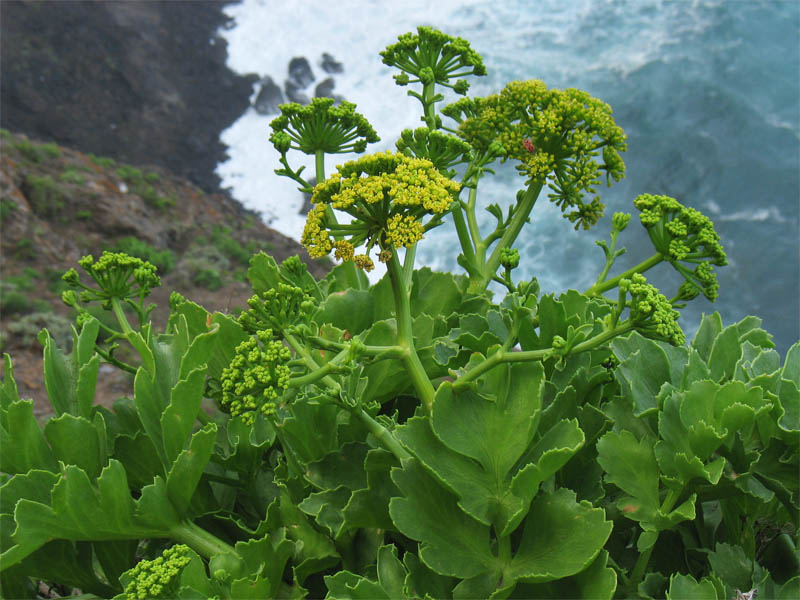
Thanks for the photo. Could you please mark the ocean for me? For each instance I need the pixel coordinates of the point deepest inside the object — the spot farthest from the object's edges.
(708, 93)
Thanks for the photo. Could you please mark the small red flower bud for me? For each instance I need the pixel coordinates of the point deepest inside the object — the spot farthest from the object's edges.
(529, 146)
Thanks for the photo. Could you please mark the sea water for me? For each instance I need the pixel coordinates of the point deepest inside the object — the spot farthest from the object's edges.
(708, 93)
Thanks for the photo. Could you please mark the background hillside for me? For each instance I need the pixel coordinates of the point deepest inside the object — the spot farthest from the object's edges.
(58, 204)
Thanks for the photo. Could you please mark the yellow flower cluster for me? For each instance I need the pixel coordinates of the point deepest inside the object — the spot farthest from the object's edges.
(387, 194)
(364, 262)
(404, 230)
(316, 237)
(344, 250)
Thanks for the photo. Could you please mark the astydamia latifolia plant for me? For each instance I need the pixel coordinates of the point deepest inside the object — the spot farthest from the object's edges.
(421, 437)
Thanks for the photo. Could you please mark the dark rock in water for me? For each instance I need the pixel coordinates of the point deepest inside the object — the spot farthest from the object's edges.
(142, 82)
(300, 72)
(269, 97)
(325, 89)
(295, 93)
(330, 64)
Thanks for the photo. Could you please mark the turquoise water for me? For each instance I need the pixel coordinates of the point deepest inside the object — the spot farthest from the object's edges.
(707, 92)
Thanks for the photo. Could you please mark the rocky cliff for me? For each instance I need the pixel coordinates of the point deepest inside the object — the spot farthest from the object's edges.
(141, 82)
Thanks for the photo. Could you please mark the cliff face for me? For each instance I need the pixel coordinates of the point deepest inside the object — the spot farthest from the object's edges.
(142, 82)
(58, 204)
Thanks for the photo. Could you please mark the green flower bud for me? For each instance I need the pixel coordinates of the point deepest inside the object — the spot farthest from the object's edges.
(509, 258)
(619, 221)
(69, 297)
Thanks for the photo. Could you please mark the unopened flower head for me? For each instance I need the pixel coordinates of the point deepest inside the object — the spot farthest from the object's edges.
(387, 194)
(158, 578)
(277, 309)
(686, 238)
(651, 312)
(116, 274)
(430, 56)
(321, 126)
(256, 377)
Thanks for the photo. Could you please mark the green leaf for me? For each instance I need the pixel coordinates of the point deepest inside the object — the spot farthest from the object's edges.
(68, 564)
(451, 542)
(386, 378)
(177, 420)
(71, 380)
(345, 585)
(474, 444)
(645, 366)
(310, 431)
(725, 353)
(267, 556)
(710, 328)
(791, 365)
(187, 469)
(81, 511)
(730, 564)
(422, 582)
(139, 456)
(561, 538)
(263, 273)
(150, 407)
(596, 582)
(315, 552)
(369, 507)
(327, 508)
(349, 310)
(343, 466)
(631, 466)
(199, 352)
(8, 389)
(434, 293)
(390, 584)
(76, 441)
(24, 446)
(686, 587)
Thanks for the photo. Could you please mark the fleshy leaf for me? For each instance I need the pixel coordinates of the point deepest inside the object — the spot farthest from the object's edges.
(686, 587)
(596, 582)
(24, 446)
(188, 467)
(76, 441)
(561, 538)
(451, 542)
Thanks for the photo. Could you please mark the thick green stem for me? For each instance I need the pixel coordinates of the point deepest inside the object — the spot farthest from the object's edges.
(408, 265)
(119, 313)
(319, 164)
(405, 338)
(383, 435)
(502, 356)
(478, 283)
(428, 104)
(599, 288)
(199, 540)
(463, 234)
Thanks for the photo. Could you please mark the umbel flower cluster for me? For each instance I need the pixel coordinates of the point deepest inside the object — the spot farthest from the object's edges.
(431, 56)
(684, 235)
(157, 578)
(256, 377)
(650, 310)
(277, 308)
(116, 274)
(556, 137)
(387, 194)
(321, 126)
